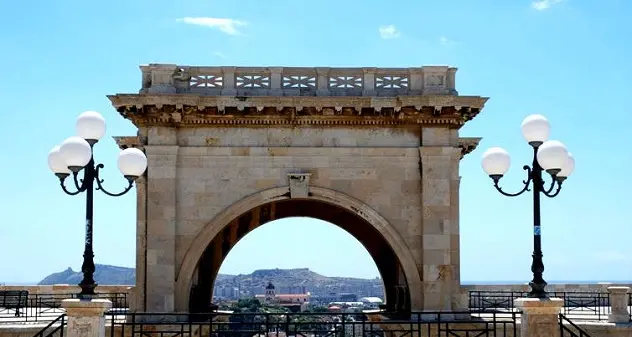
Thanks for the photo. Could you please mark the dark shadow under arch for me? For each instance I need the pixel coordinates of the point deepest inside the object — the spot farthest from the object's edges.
(395, 286)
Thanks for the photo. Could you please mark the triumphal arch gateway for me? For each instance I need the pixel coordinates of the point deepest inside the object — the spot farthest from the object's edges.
(375, 151)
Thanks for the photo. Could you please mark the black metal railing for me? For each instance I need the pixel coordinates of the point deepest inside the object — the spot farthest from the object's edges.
(630, 305)
(40, 308)
(311, 324)
(570, 329)
(55, 328)
(591, 306)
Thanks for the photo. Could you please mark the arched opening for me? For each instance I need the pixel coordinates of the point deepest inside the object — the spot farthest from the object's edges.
(301, 264)
(396, 290)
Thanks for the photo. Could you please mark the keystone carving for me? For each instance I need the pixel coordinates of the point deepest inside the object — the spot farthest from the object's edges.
(299, 185)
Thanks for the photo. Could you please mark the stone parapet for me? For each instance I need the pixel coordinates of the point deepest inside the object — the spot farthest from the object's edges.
(619, 302)
(297, 81)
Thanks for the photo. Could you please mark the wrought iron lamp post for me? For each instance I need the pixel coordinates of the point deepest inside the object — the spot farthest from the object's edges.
(73, 156)
(548, 155)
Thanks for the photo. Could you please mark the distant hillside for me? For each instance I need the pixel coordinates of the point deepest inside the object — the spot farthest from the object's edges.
(288, 279)
(103, 274)
(255, 282)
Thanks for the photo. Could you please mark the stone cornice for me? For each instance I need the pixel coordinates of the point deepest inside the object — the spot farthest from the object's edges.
(468, 144)
(125, 142)
(185, 110)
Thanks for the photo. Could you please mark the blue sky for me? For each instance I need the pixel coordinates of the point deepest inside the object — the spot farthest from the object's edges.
(568, 60)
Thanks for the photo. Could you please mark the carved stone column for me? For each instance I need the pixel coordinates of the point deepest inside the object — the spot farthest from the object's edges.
(619, 305)
(86, 318)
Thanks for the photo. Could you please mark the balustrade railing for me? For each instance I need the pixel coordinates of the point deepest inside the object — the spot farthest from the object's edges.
(311, 324)
(40, 308)
(570, 329)
(587, 306)
(297, 81)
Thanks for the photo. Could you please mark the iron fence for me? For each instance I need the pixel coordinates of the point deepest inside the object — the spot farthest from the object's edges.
(42, 308)
(587, 306)
(570, 329)
(630, 305)
(56, 328)
(441, 324)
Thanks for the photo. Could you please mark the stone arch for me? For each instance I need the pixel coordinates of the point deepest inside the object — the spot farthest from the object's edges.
(187, 269)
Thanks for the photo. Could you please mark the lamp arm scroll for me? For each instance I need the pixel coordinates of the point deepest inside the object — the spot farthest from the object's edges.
(80, 184)
(100, 187)
(554, 189)
(526, 183)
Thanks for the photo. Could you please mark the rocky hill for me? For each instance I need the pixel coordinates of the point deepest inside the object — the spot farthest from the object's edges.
(103, 274)
(293, 280)
(283, 279)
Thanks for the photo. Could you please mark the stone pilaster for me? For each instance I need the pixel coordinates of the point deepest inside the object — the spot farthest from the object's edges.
(440, 236)
(539, 316)
(138, 298)
(162, 154)
(86, 318)
(619, 305)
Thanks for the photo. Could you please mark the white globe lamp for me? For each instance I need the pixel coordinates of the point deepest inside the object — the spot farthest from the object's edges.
(76, 153)
(90, 126)
(57, 163)
(567, 169)
(552, 156)
(132, 162)
(535, 129)
(496, 162)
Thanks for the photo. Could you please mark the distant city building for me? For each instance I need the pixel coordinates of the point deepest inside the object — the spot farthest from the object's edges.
(294, 302)
(347, 297)
(371, 302)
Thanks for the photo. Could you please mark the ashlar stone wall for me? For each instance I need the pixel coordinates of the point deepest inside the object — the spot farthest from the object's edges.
(408, 175)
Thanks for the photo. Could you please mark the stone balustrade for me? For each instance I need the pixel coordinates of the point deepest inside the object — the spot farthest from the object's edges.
(298, 81)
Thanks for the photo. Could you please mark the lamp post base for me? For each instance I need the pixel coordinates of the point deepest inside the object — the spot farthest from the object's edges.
(537, 289)
(87, 291)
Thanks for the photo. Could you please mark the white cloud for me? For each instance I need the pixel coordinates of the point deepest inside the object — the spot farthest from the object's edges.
(444, 41)
(388, 32)
(541, 5)
(220, 55)
(225, 25)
